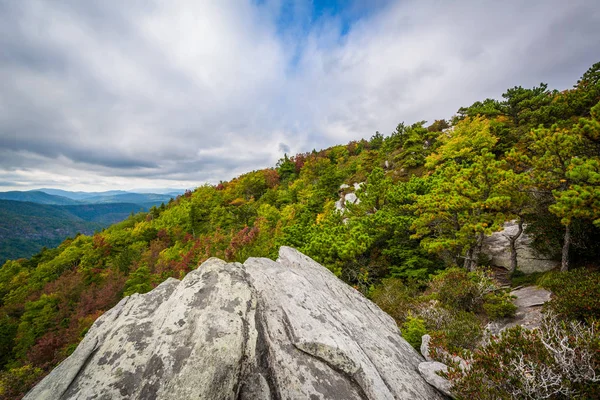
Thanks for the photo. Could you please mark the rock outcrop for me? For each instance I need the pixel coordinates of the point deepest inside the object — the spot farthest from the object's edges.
(259, 330)
(347, 196)
(429, 371)
(497, 247)
(529, 301)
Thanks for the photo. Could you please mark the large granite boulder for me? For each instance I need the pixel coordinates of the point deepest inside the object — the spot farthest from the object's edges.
(497, 247)
(262, 330)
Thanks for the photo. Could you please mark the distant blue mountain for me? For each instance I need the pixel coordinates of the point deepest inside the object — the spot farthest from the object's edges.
(137, 198)
(32, 219)
(25, 227)
(80, 195)
(39, 197)
(65, 197)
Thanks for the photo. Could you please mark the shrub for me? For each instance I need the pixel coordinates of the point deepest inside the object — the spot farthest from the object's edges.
(395, 298)
(559, 360)
(519, 278)
(577, 293)
(456, 288)
(16, 381)
(463, 331)
(498, 306)
(412, 330)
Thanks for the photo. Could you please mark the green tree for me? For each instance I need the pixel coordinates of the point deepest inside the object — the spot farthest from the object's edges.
(139, 282)
(551, 154)
(465, 202)
(286, 168)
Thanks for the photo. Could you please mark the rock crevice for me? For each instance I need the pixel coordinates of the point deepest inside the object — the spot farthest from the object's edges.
(260, 330)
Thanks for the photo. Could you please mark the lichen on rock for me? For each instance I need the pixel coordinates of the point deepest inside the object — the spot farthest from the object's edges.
(258, 330)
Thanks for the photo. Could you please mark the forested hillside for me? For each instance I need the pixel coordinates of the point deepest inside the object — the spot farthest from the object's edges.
(428, 194)
(26, 227)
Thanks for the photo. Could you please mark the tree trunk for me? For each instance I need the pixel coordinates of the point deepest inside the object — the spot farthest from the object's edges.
(477, 251)
(565, 250)
(513, 247)
(468, 259)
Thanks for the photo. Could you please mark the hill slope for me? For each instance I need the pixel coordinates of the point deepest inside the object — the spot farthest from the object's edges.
(137, 198)
(105, 214)
(27, 227)
(80, 195)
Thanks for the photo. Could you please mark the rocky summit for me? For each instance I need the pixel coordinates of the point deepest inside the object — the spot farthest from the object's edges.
(285, 329)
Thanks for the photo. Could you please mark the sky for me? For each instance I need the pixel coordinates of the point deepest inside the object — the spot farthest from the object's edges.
(107, 94)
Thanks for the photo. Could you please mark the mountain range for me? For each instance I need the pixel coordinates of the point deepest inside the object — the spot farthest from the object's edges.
(30, 220)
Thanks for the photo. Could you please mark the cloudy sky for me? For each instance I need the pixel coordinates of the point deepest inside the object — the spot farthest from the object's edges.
(107, 94)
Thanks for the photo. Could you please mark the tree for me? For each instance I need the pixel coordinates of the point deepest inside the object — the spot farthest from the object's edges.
(376, 141)
(417, 142)
(286, 168)
(564, 166)
(139, 282)
(372, 194)
(523, 105)
(488, 108)
(467, 200)
(552, 152)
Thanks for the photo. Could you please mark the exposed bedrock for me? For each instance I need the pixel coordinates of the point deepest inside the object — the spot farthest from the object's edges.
(260, 330)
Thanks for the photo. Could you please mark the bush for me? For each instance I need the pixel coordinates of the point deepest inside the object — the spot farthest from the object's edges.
(499, 306)
(461, 290)
(560, 360)
(576, 293)
(413, 330)
(463, 331)
(16, 381)
(395, 298)
(519, 278)
(454, 289)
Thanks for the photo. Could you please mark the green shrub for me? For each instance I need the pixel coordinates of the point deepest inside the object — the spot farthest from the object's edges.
(499, 306)
(15, 382)
(413, 330)
(463, 331)
(576, 293)
(461, 290)
(139, 282)
(454, 289)
(395, 298)
(519, 278)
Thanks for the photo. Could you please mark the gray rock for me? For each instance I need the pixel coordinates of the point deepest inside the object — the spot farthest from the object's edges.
(351, 198)
(531, 296)
(529, 301)
(428, 371)
(425, 339)
(261, 330)
(497, 247)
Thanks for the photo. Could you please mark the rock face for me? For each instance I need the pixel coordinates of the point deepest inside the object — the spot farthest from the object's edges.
(429, 369)
(262, 330)
(497, 246)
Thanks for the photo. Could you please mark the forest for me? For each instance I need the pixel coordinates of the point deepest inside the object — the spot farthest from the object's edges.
(428, 195)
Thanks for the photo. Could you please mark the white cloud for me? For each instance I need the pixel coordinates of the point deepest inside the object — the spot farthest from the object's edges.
(179, 93)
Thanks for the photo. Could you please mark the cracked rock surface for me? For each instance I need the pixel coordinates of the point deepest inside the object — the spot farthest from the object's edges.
(260, 330)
